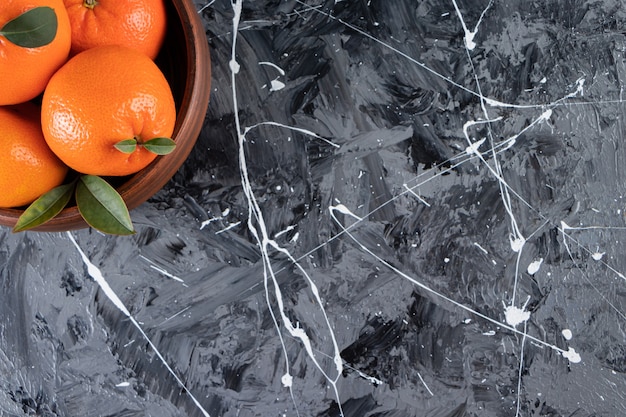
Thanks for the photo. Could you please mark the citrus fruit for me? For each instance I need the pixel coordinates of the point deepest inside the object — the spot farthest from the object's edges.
(28, 168)
(137, 24)
(25, 71)
(101, 97)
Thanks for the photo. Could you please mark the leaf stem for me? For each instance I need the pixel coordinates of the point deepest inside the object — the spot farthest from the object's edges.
(90, 4)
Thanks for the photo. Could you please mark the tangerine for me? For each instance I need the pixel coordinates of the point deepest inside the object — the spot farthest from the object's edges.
(137, 24)
(28, 168)
(103, 96)
(24, 71)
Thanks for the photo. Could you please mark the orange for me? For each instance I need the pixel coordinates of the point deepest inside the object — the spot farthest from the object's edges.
(24, 72)
(100, 97)
(28, 168)
(137, 24)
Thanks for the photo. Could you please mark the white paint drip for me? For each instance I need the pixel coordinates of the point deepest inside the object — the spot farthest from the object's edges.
(97, 276)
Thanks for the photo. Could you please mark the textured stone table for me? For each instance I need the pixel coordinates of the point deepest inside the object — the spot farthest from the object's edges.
(412, 208)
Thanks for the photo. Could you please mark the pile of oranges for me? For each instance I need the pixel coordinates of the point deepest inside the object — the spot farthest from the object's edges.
(80, 92)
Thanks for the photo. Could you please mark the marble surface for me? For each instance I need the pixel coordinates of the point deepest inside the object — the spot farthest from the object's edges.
(395, 208)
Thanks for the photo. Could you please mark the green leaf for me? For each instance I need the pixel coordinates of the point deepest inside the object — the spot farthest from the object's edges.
(45, 207)
(160, 146)
(33, 28)
(102, 207)
(126, 145)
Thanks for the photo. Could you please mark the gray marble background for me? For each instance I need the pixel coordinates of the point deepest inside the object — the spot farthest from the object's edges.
(412, 208)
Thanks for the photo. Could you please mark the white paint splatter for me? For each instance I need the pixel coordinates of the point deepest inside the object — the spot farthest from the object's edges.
(424, 382)
(276, 67)
(234, 66)
(572, 355)
(420, 198)
(567, 334)
(545, 116)
(277, 85)
(346, 231)
(257, 227)
(483, 250)
(286, 230)
(227, 228)
(515, 315)
(162, 270)
(517, 243)
(534, 266)
(97, 276)
(371, 379)
(472, 148)
(344, 210)
(296, 129)
(470, 34)
(287, 380)
(597, 256)
(206, 6)
(205, 223)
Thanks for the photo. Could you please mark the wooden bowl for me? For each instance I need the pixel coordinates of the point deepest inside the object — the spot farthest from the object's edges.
(185, 61)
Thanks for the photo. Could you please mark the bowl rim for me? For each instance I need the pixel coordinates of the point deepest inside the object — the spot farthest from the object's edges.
(194, 101)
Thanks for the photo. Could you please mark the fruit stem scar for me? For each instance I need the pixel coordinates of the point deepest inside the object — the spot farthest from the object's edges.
(90, 3)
